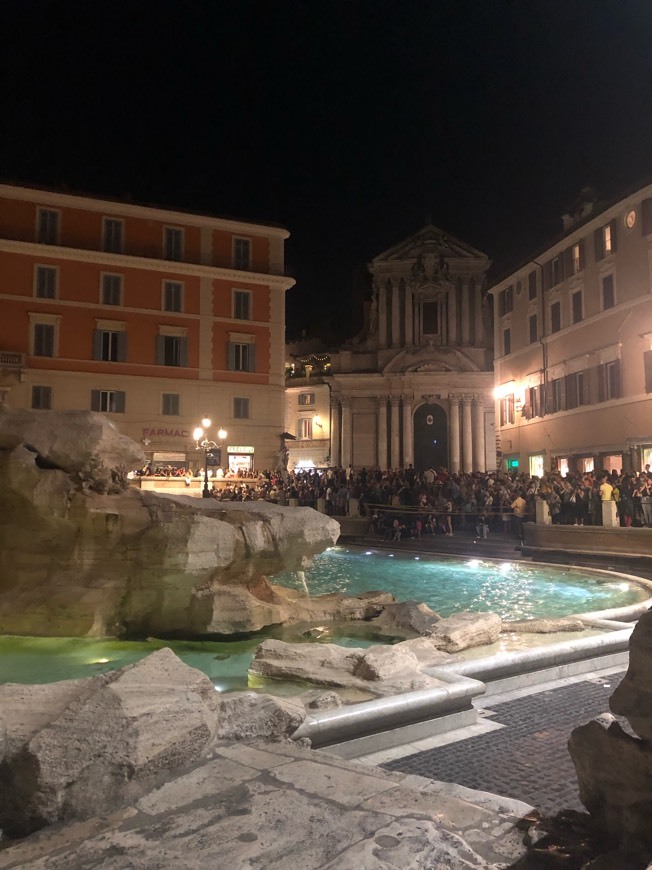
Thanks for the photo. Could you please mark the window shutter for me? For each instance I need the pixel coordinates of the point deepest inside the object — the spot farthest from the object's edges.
(97, 344)
(599, 250)
(547, 275)
(586, 395)
(122, 347)
(501, 303)
(252, 358)
(647, 362)
(646, 217)
(160, 350)
(582, 254)
(568, 262)
(119, 401)
(183, 352)
(614, 240)
(562, 394)
(95, 400)
(231, 357)
(601, 384)
(571, 391)
(550, 398)
(617, 380)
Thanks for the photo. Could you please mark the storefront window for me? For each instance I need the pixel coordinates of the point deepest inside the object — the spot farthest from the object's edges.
(613, 463)
(562, 465)
(536, 465)
(646, 454)
(239, 462)
(586, 464)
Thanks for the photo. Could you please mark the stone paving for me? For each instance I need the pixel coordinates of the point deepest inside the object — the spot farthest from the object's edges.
(527, 759)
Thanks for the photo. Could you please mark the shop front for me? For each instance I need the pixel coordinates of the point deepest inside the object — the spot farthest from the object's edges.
(240, 460)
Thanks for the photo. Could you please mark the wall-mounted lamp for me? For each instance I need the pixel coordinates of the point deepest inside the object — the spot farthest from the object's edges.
(316, 421)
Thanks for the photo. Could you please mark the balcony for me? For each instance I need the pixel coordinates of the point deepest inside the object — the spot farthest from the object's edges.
(10, 359)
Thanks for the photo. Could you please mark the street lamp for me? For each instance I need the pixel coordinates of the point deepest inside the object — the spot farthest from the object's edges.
(205, 444)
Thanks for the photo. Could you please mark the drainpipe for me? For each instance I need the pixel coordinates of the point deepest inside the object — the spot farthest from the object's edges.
(544, 347)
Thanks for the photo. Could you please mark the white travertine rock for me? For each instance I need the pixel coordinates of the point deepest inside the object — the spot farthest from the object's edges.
(408, 616)
(544, 626)
(247, 715)
(466, 629)
(386, 662)
(111, 741)
(324, 664)
(77, 559)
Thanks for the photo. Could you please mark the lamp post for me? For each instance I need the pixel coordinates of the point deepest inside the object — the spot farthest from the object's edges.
(202, 442)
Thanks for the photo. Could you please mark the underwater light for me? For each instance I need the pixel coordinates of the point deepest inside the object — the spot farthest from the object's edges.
(99, 661)
(473, 563)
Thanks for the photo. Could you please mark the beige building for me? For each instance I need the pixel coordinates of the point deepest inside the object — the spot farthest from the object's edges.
(307, 408)
(416, 386)
(154, 317)
(573, 340)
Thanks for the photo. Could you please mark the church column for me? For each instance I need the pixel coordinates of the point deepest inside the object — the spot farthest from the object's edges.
(478, 434)
(409, 317)
(335, 433)
(382, 315)
(466, 313)
(395, 443)
(347, 432)
(408, 438)
(467, 435)
(396, 316)
(454, 427)
(382, 432)
(452, 316)
(479, 327)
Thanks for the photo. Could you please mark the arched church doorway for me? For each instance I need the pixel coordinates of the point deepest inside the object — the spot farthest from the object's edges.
(430, 437)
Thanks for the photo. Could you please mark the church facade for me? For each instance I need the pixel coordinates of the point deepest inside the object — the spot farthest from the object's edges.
(416, 386)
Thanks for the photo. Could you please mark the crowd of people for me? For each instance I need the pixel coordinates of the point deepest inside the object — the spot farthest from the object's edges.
(406, 503)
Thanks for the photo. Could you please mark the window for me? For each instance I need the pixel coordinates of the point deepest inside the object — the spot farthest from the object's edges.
(170, 404)
(305, 427)
(172, 350)
(241, 408)
(559, 394)
(605, 240)
(42, 398)
(534, 401)
(577, 258)
(242, 305)
(612, 380)
(557, 271)
(534, 332)
(47, 231)
(242, 356)
(43, 339)
(506, 301)
(111, 289)
(507, 409)
(112, 235)
(108, 401)
(173, 243)
(172, 295)
(608, 295)
(576, 306)
(45, 282)
(575, 386)
(110, 345)
(242, 253)
(555, 317)
(647, 362)
(507, 341)
(532, 285)
(306, 398)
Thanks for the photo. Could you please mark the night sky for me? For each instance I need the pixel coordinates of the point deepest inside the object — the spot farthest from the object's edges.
(350, 123)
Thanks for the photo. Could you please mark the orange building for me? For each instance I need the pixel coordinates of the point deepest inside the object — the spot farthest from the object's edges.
(156, 318)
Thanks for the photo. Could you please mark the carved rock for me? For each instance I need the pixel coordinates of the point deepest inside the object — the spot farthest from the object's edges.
(108, 738)
(633, 697)
(614, 771)
(466, 629)
(408, 616)
(544, 626)
(246, 715)
(75, 562)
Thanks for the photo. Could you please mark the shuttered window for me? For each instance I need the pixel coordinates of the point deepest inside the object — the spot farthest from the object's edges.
(108, 401)
(172, 350)
(109, 345)
(241, 357)
(46, 282)
(42, 398)
(555, 317)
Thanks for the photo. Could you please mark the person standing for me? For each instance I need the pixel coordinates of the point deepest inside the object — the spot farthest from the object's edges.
(519, 506)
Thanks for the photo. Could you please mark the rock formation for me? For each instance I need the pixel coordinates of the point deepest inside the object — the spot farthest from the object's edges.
(614, 766)
(81, 553)
(80, 748)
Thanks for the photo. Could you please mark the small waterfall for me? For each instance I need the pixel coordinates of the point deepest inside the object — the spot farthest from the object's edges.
(302, 576)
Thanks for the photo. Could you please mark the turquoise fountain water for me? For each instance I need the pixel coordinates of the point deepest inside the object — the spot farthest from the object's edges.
(511, 589)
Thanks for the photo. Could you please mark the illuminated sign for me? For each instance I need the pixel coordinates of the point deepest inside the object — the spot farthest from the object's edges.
(166, 433)
(230, 449)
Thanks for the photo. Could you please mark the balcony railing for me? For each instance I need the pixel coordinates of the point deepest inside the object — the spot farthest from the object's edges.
(12, 360)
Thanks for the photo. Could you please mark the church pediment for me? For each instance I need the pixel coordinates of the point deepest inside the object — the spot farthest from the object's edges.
(430, 359)
(430, 241)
